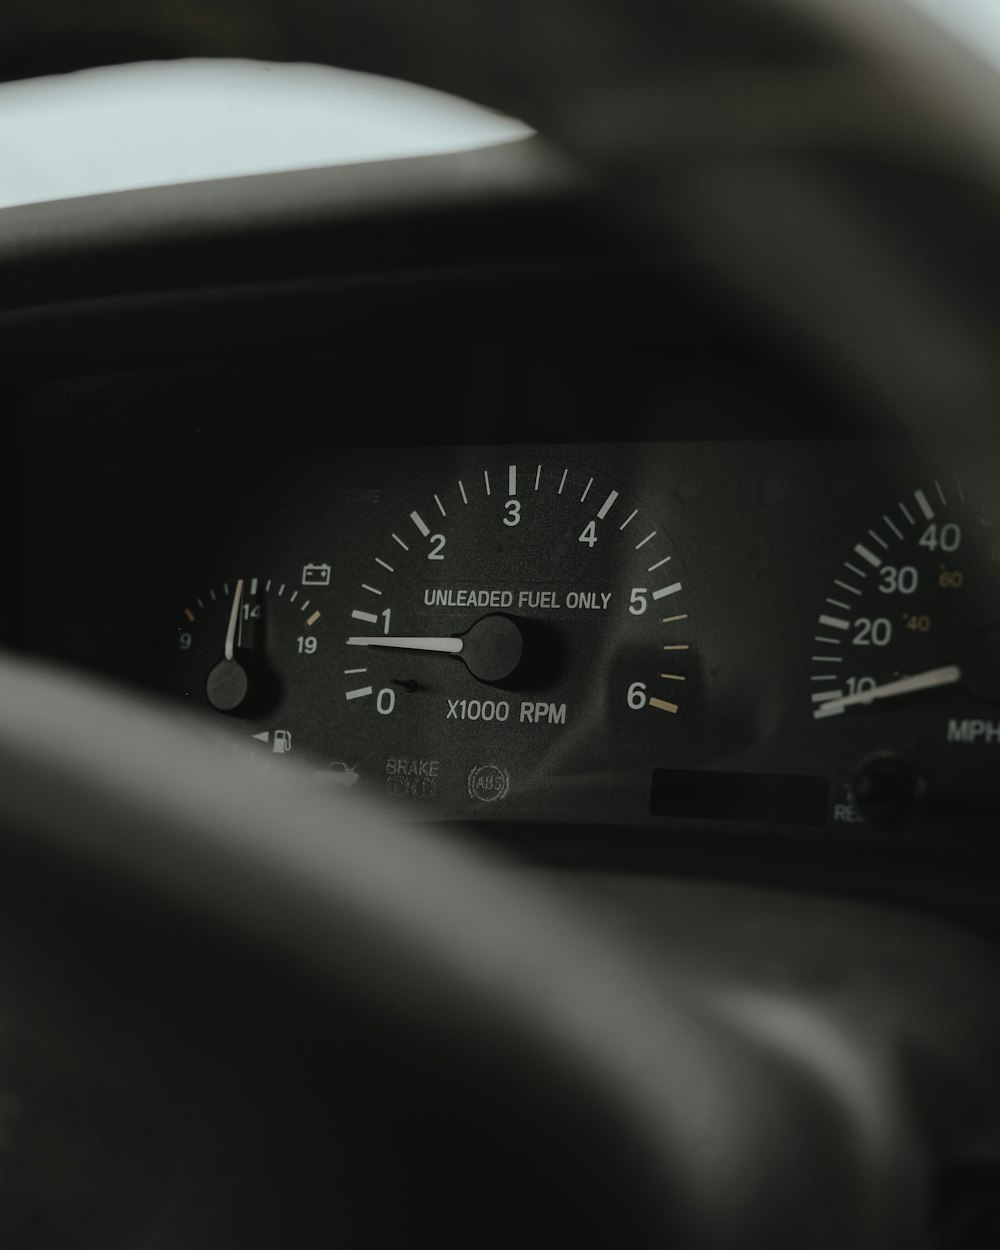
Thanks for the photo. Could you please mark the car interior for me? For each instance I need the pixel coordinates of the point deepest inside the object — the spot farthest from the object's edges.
(500, 625)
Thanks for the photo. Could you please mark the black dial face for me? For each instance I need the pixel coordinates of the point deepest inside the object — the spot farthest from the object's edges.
(906, 649)
(519, 632)
(246, 649)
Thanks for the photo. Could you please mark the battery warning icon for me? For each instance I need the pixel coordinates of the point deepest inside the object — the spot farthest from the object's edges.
(316, 575)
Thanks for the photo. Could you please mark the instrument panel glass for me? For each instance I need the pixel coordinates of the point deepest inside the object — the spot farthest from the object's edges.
(771, 632)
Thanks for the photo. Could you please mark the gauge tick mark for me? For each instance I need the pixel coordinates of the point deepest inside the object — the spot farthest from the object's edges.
(870, 556)
(844, 586)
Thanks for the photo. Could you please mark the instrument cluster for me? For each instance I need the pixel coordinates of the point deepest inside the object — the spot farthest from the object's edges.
(800, 633)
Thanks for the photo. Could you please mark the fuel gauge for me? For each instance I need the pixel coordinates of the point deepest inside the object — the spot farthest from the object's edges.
(251, 649)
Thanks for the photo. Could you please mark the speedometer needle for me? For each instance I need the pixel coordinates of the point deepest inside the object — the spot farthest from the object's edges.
(446, 646)
(949, 675)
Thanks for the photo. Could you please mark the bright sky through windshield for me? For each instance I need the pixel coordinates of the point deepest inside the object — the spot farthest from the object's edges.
(184, 121)
(975, 22)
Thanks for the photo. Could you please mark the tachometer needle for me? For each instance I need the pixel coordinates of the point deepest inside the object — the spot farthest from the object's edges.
(446, 646)
(949, 675)
(234, 622)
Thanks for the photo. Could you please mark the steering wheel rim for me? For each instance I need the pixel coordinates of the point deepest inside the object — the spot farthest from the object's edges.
(596, 95)
(510, 978)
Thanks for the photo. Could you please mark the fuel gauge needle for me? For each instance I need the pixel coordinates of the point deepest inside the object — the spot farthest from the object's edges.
(228, 684)
(232, 638)
(445, 646)
(949, 675)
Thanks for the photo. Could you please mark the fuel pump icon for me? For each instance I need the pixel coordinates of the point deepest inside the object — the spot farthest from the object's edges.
(281, 743)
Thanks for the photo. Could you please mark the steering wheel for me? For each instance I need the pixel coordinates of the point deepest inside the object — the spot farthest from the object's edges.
(238, 1012)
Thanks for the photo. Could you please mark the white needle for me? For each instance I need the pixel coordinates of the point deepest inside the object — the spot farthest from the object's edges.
(448, 646)
(946, 676)
(234, 621)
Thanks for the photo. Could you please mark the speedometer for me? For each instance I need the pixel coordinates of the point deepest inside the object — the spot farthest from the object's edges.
(906, 648)
(516, 631)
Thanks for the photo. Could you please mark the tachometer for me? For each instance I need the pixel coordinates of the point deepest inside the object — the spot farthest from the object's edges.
(515, 629)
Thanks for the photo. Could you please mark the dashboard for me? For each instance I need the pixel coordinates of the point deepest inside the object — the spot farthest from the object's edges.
(612, 649)
(777, 632)
(606, 523)
(552, 571)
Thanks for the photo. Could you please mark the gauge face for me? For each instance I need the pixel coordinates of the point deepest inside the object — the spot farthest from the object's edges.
(516, 634)
(248, 649)
(906, 647)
